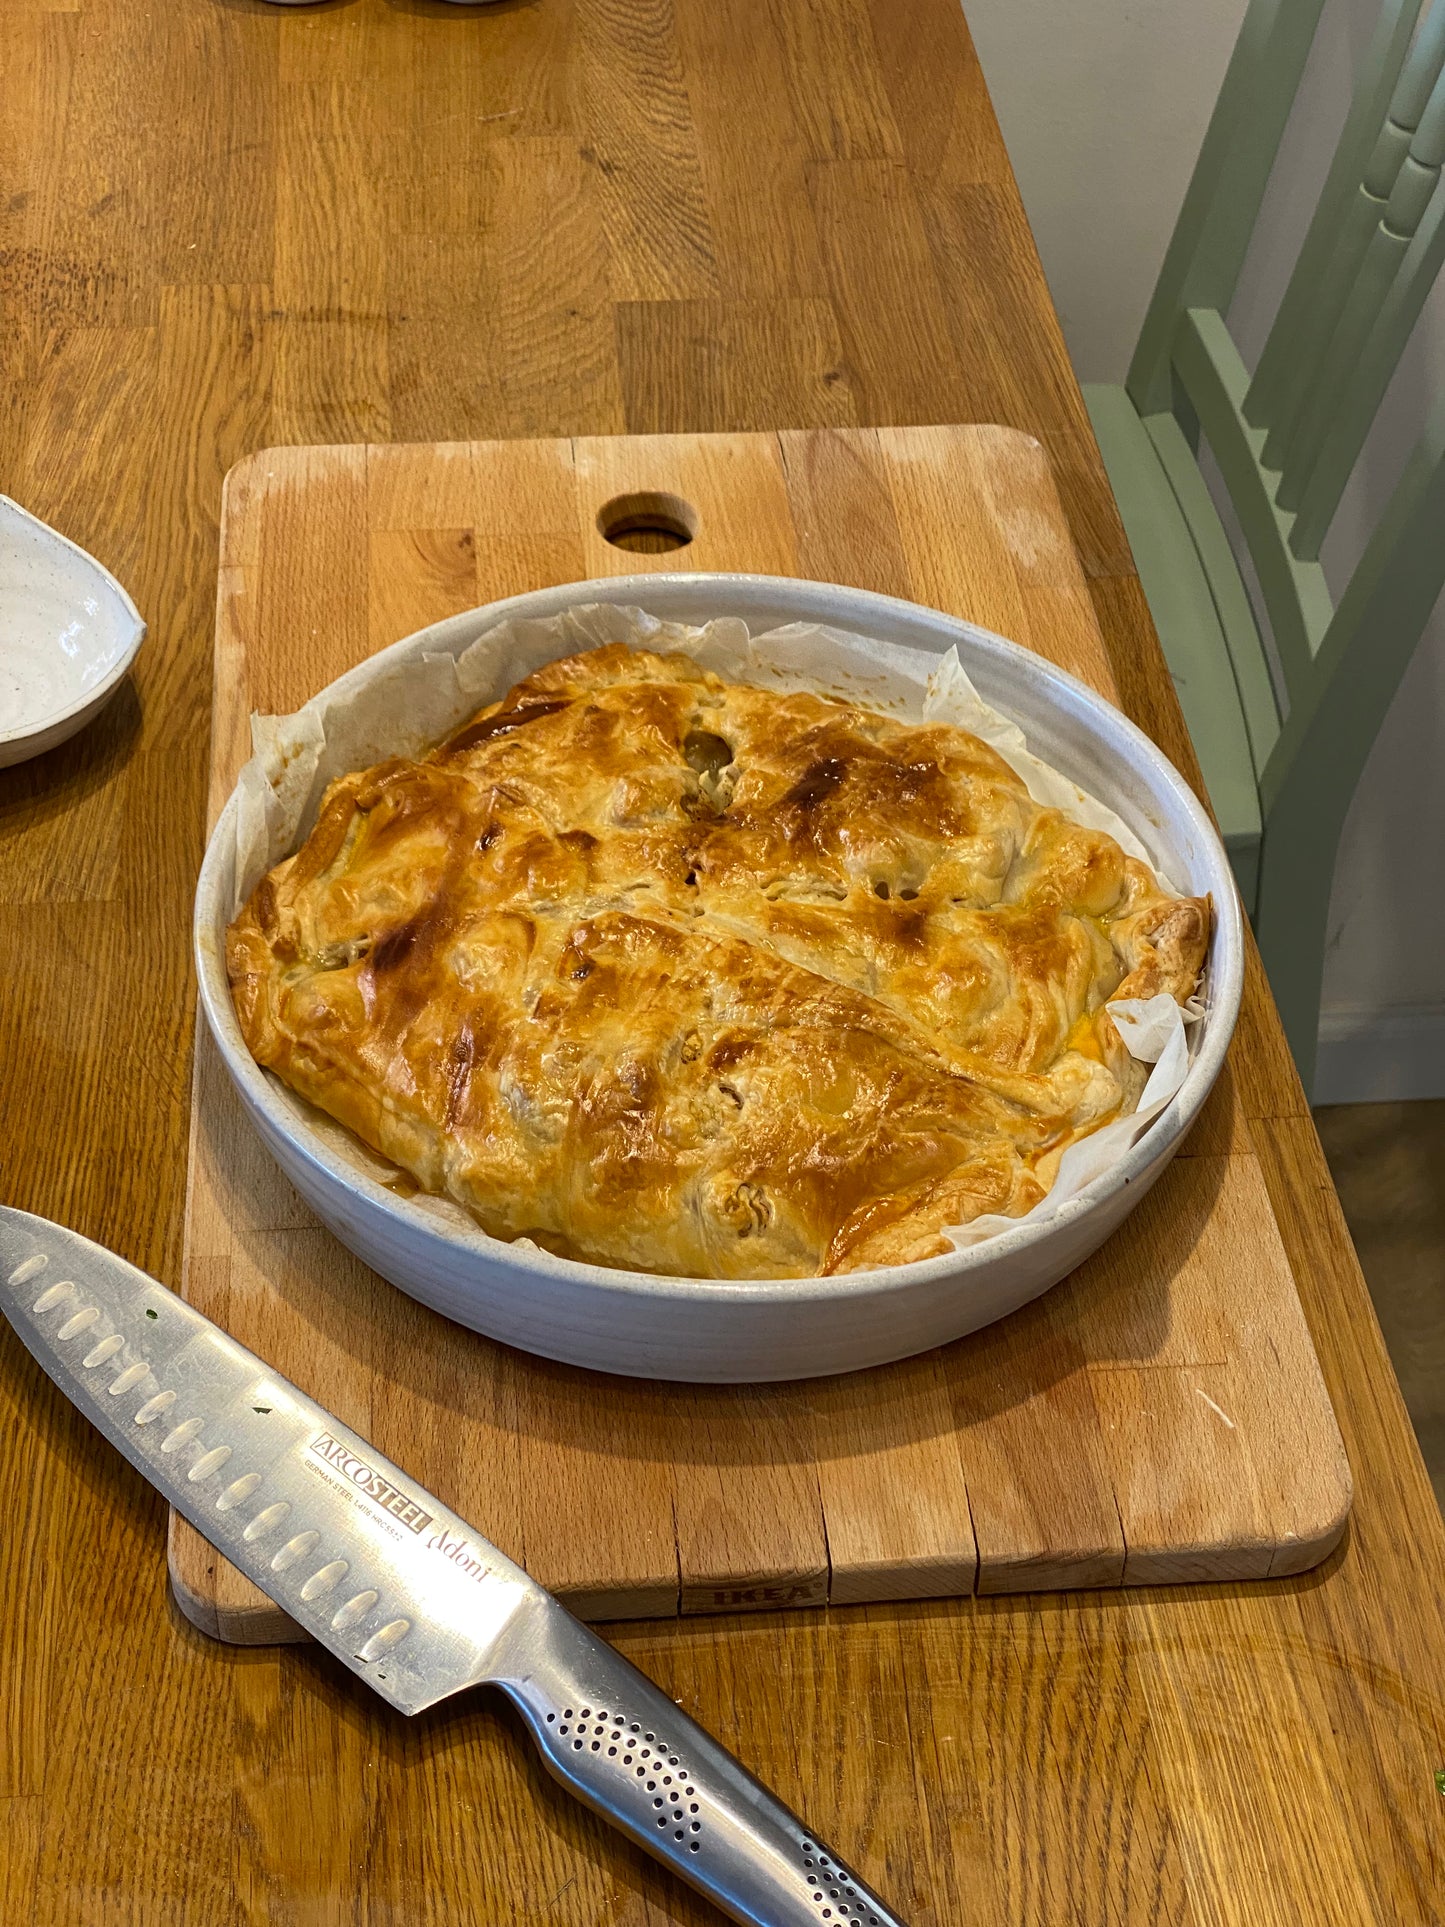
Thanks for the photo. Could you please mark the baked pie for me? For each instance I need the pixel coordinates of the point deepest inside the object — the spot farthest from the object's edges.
(688, 976)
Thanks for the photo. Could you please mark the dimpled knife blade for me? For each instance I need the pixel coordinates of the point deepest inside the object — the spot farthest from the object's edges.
(404, 1592)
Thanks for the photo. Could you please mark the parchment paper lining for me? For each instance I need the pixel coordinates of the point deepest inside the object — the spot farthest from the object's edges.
(405, 701)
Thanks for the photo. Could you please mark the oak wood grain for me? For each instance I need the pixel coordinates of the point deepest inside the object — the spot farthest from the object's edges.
(1248, 1753)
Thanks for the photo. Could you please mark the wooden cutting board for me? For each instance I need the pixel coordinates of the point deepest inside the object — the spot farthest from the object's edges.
(1159, 1416)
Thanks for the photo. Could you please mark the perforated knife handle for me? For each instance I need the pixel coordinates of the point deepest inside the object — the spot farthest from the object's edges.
(618, 1743)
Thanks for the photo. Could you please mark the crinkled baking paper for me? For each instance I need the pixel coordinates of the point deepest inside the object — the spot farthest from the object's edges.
(407, 699)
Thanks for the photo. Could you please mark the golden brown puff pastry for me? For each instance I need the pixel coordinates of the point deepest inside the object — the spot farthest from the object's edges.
(689, 976)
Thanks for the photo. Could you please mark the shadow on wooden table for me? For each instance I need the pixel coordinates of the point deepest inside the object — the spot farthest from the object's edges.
(65, 798)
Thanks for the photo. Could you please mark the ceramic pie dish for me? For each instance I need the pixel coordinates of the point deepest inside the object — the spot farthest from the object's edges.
(68, 634)
(766, 1328)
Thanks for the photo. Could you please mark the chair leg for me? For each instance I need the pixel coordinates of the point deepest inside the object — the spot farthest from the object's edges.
(1295, 876)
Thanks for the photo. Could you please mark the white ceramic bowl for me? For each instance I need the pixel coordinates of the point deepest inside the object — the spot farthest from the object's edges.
(733, 1330)
(68, 634)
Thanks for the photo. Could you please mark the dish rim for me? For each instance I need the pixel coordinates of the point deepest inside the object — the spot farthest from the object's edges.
(258, 1087)
(101, 690)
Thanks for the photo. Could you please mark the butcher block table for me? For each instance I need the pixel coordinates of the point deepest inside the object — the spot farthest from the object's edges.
(226, 227)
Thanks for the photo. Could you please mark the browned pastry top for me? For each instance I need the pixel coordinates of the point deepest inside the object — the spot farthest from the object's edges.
(689, 976)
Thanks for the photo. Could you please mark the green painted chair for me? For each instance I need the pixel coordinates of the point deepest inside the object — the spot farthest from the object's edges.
(1282, 763)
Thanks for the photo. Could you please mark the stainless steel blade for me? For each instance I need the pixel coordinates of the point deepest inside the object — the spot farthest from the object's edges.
(381, 1573)
(403, 1591)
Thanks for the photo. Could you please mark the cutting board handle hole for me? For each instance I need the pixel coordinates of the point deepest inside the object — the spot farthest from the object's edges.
(647, 523)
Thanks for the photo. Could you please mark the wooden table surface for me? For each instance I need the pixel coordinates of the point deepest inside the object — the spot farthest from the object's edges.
(224, 225)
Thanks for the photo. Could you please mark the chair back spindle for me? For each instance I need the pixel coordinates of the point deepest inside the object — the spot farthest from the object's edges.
(1275, 390)
(1369, 157)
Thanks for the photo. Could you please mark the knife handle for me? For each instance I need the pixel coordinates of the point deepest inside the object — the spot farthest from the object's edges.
(625, 1750)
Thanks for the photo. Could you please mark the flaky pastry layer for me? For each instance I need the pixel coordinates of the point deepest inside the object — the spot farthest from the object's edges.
(693, 977)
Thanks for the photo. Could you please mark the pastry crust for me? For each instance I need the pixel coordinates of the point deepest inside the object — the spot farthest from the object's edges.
(693, 977)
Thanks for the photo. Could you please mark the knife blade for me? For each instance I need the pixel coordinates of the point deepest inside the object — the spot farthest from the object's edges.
(405, 1593)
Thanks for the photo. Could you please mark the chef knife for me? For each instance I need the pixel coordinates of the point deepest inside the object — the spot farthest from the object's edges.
(404, 1592)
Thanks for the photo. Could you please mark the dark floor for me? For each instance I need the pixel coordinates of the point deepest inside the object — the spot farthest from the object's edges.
(1388, 1162)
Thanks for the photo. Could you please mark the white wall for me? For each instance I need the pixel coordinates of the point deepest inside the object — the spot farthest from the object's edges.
(1103, 106)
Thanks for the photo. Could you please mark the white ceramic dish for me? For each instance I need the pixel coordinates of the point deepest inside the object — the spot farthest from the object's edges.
(68, 634)
(727, 1330)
